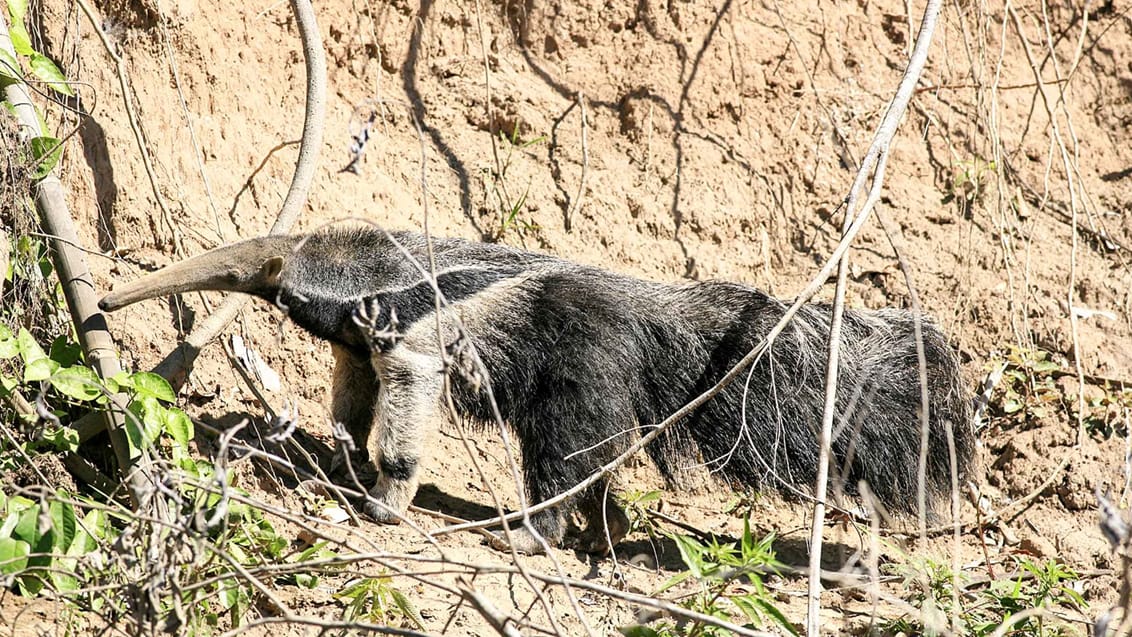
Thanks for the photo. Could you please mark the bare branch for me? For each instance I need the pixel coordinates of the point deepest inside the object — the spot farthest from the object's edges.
(872, 168)
(176, 366)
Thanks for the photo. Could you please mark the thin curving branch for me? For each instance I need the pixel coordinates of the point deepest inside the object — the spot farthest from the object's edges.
(177, 365)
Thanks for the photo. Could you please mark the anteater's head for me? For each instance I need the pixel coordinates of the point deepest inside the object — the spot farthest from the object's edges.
(253, 267)
(319, 279)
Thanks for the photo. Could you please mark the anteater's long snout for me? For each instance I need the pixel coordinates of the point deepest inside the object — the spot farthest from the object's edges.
(252, 267)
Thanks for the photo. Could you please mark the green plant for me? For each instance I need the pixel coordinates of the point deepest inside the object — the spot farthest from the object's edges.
(742, 504)
(509, 207)
(376, 600)
(727, 582)
(985, 608)
(44, 149)
(1107, 413)
(41, 542)
(1028, 390)
(62, 543)
(968, 181)
(636, 504)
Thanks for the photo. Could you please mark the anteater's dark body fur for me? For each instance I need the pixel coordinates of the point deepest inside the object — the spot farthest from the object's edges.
(576, 356)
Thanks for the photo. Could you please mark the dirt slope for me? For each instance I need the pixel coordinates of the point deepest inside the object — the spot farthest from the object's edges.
(668, 140)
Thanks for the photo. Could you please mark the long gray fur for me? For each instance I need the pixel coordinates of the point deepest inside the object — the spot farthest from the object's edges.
(577, 356)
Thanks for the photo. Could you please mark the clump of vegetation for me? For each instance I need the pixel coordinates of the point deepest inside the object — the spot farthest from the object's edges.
(496, 189)
(969, 182)
(636, 504)
(376, 600)
(1028, 389)
(1028, 392)
(727, 582)
(1024, 603)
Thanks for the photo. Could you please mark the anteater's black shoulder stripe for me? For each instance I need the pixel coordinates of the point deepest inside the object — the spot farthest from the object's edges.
(399, 309)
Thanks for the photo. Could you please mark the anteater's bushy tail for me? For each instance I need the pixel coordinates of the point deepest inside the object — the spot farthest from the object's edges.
(763, 430)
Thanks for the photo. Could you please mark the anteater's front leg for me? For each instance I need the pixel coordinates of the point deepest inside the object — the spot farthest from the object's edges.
(409, 408)
(353, 396)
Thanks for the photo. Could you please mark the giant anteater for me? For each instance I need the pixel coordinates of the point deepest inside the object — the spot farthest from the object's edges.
(578, 358)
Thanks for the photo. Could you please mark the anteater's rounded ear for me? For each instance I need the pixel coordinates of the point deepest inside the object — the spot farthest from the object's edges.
(270, 270)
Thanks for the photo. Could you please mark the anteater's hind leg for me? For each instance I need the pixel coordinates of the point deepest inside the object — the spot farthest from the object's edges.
(570, 429)
(604, 528)
(409, 408)
(354, 395)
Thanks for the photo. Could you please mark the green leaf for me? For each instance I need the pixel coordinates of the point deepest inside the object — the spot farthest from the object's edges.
(29, 349)
(691, 552)
(62, 438)
(306, 580)
(143, 424)
(65, 352)
(46, 151)
(351, 591)
(229, 594)
(62, 536)
(150, 385)
(80, 383)
(21, 42)
(98, 523)
(405, 605)
(135, 434)
(9, 525)
(9, 347)
(9, 69)
(779, 618)
(43, 68)
(178, 425)
(27, 528)
(62, 523)
(60, 574)
(746, 603)
(638, 631)
(13, 555)
(83, 543)
(40, 369)
(111, 387)
(17, 9)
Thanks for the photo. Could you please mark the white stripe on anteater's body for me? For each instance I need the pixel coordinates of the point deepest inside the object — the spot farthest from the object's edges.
(577, 356)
